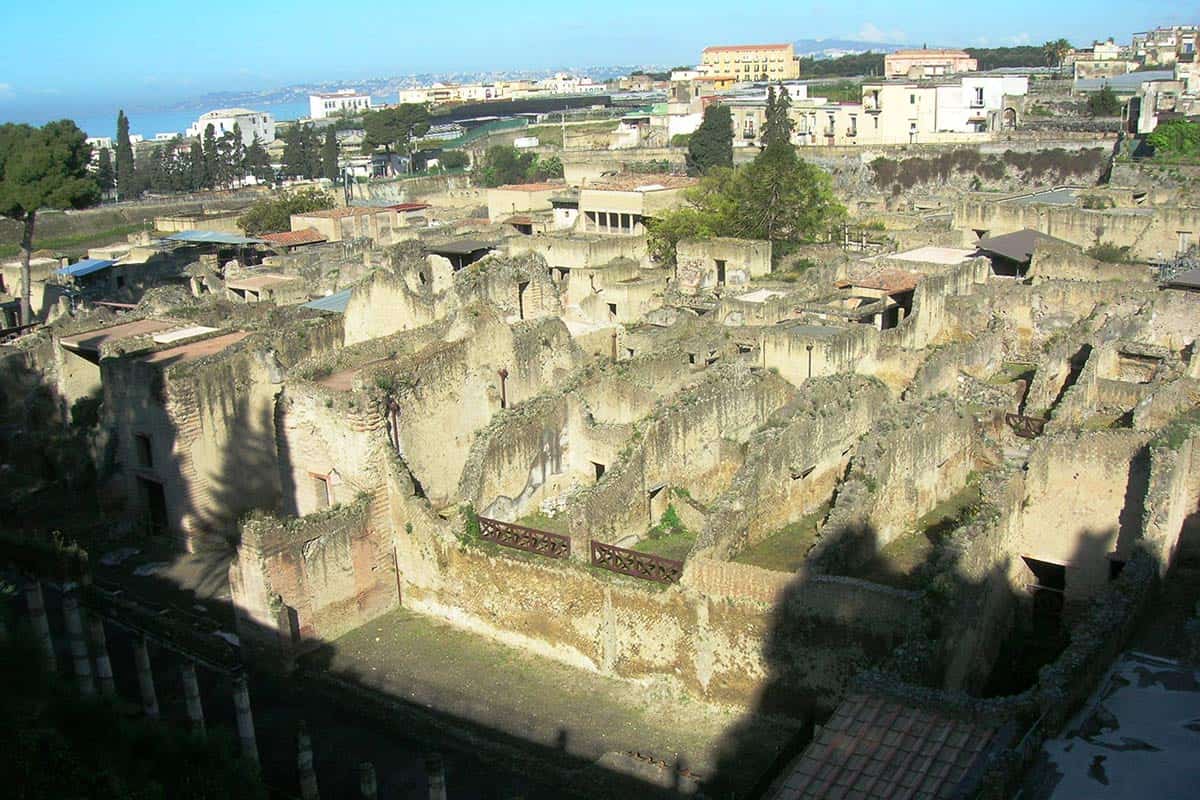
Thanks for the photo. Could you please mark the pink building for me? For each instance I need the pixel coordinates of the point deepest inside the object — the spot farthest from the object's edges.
(927, 63)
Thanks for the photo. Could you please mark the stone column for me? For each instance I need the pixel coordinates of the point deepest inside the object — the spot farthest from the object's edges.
(245, 719)
(304, 760)
(191, 696)
(104, 674)
(368, 786)
(435, 768)
(41, 626)
(80, 660)
(145, 675)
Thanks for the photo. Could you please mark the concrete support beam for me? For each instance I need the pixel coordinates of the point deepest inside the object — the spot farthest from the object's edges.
(145, 675)
(80, 661)
(304, 760)
(41, 626)
(191, 696)
(368, 786)
(435, 768)
(104, 675)
(245, 718)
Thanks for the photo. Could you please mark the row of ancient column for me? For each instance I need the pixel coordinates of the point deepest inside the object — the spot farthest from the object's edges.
(82, 648)
(81, 662)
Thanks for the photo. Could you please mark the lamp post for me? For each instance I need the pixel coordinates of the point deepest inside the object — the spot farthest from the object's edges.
(809, 347)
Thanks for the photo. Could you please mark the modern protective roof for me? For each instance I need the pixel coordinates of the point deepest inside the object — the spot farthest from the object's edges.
(1123, 83)
(335, 303)
(211, 237)
(94, 339)
(1185, 280)
(85, 267)
(255, 282)
(462, 247)
(1018, 246)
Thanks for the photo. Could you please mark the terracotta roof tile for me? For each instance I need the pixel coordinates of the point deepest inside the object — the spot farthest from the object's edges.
(293, 238)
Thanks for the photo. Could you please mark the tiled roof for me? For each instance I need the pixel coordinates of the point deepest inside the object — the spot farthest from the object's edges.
(293, 238)
(520, 219)
(731, 47)
(531, 187)
(338, 213)
(876, 748)
(409, 206)
(642, 183)
(890, 281)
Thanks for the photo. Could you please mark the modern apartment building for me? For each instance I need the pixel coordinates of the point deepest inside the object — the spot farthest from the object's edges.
(321, 106)
(251, 124)
(752, 62)
(927, 63)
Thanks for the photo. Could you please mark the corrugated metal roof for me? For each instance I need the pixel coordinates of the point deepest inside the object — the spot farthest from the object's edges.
(212, 237)
(335, 303)
(85, 267)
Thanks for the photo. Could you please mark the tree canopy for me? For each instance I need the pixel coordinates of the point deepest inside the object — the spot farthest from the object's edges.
(395, 128)
(502, 165)
(1055, 52)
(778, 197)
(1104, 103)
(302, 152)
(712, 143)
(273, 215)
(127, 183)
(42, 168)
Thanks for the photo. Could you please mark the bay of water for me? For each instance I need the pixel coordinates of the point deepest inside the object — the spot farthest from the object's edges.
(149, 123)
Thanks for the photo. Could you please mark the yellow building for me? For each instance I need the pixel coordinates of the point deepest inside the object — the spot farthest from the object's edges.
(752, 62)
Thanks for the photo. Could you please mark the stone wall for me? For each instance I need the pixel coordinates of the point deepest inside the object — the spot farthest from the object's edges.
(793, 465)
(909, 462)
(726, 649)
(296, 583)
(693, 444)
(702, 264)
(1061, 261)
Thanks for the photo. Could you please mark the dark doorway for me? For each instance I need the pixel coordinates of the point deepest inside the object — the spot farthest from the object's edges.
(720, 272)
(154, 501)
(599, 469)
(521, 289)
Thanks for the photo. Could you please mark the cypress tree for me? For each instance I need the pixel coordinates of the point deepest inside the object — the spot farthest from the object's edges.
(329, 154)
(712, 143)
(105, 177)
(211, 157)
(126, 179)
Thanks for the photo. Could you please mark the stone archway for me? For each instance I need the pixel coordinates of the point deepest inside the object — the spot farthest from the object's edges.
(1009, 120)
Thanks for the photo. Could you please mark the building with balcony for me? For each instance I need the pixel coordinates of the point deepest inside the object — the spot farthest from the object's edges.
(752, 62)
(331, 104)
(927, 63)
(1162, 47)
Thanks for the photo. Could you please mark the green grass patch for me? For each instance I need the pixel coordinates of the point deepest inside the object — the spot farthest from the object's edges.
(786, 549)
(904, 562)
(1012, 371)
(543, 522)
(76, 244)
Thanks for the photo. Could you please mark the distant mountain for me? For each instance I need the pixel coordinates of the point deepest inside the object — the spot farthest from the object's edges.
(832, 48)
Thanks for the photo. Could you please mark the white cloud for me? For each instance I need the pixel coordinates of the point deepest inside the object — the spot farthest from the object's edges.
(7, 92)
(1020, 38)
(869, 32)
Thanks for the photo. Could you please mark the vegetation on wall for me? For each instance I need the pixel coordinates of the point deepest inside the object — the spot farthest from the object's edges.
(1056, 164)
(273, 215)
(1179, 138)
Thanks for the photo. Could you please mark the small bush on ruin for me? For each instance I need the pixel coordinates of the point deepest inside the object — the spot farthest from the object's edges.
(1109, 253)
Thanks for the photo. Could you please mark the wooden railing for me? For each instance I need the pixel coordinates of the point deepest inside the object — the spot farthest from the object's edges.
(554, 545)
(639, 565)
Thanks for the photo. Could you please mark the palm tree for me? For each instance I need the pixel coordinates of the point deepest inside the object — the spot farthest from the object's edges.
(1056, 52)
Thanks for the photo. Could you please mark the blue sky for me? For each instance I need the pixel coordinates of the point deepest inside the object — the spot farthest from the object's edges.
(70, 56)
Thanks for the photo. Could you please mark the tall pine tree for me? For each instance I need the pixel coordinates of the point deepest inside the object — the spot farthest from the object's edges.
(712, 143)
(212, 158)
(105, 178)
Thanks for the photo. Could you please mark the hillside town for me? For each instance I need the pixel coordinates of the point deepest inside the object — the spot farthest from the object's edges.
(740, 430)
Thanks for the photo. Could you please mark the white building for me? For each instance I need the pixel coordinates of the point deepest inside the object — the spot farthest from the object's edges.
(251, 123)
(964, 105)
(345, 101)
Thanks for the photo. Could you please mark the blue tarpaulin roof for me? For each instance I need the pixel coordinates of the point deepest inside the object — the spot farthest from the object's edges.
(336, 302)
(212, 237)
(85, 267)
